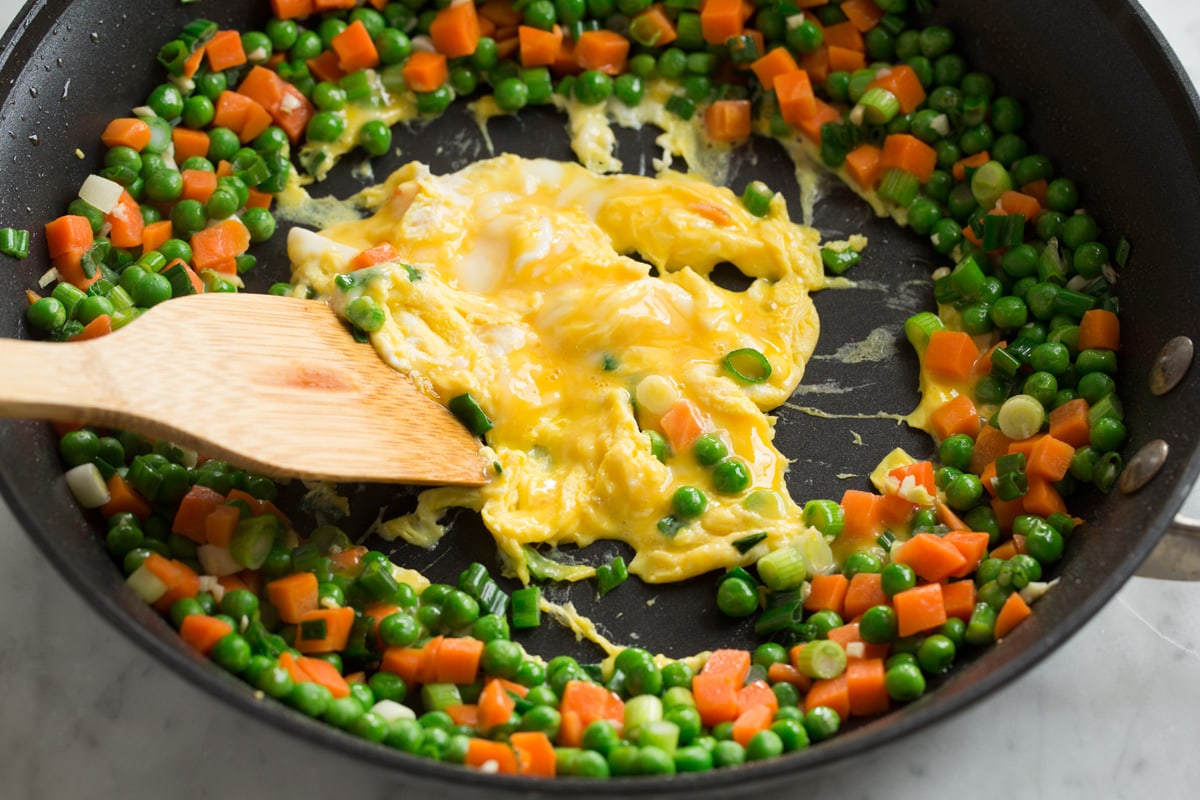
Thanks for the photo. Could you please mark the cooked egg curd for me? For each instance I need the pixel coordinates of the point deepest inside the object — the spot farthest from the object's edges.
(577, 310)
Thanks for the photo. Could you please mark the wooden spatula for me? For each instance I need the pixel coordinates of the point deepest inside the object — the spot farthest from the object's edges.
(275, 385)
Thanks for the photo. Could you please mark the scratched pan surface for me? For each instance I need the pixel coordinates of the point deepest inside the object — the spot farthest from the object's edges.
(67, 68)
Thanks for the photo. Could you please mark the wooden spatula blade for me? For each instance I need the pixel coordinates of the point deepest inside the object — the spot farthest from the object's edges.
(276, 385)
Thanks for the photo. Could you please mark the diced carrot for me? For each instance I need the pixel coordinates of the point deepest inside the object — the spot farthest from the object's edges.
(326, 674)
(334, 5)
(865, 687)
(721, 19)
(1037, 190)
(428, 673)
(865, 591)
(458, 660)
(198, 184)
(960, 167)
(258, 199)
(1099, 329)
(827, 593)
(287, 106)
(1042, 498)
(652, 27)
(863, 165)
(750, 722)
(731, 664)
(539, 48)
(455, 30)
(224, 50)
(1006, 511)
(844, 59)
(1013, 611)
(100, 326)
(957, 415)
(126, 223)
(920, 608)
(816, 64)
(123, 498)
(861, 511)
(407, 662)
(794, 93)
(189, 143)
(950, 354)
(831, 693)
(127, 132)
(921, 473)
(1050, 458)
(293, 595)
(501, 12)
(495, 704)
(758, 693)
(713, 213)
(904, 84)
(862, 14)
(1069, 423)
(782, 672)
(349, 561)
(811, 128)
(337, 624)
(844, 35)
(374, 255)
(778, 61)
(727, 120)
(67, 233)
(851, 634)
(220, 525)
(907, 152)
(203, 632)
(1012, 202)
(958, 598)
(356, 50)
(930, 557)
(463, 714)
(990, 444)
(682, 424)
(425, 72)
(972, 544)
(154, 234)
(326, 67)
(193, 510)
(191, 65)
(180, 579)
(217, 243)
(291, 9)
(590, 702)
(486, 754)
(716, 699)
(603, 50)
(535, 753)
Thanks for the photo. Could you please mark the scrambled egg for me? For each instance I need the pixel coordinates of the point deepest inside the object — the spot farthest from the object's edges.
(576, 309)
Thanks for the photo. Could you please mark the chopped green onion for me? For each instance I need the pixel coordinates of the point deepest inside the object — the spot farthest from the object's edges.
(1021, 416)
(748, 365)
(440, 696)
(746, 543)
(669, 525)
(377, 580)
(968, 278)
(756, 197)
(879, 106)
(1121, 256)
(526, 612)
(1073, 303)
(681, 107)
(14, 242)
(838, 261)
(782, 569)
(1107, 406)
(1001, 231)
(313, 629)
(253, 539)
(778, 618)
(1052, 266)
(611, 575)
(366, 314)
(821, 660)
(470, 414)
(919, 327)
(181, 282)
(69, 295)
(826, 516)
(899, 186)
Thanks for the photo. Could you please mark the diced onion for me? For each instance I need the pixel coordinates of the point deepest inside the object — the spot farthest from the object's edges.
(855, 649)
(423, 44)
(87, 485)
(144, 111)
(48, 277)
(217, 560)
(100, 192)
(656, 393)
(391, 711)
(145, 584)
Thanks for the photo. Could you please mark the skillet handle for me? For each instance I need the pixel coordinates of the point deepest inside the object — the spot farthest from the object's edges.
(1177, 556)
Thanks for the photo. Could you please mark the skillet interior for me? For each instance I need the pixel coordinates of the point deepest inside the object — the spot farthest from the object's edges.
(1145, 127)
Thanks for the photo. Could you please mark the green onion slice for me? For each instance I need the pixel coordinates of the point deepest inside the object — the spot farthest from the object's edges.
(748, 365)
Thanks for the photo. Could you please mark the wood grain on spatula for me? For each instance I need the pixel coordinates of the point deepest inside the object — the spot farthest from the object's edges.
(276, 385)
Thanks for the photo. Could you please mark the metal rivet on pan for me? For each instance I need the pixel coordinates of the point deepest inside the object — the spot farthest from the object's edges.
(1171, 365)
(1144, 465)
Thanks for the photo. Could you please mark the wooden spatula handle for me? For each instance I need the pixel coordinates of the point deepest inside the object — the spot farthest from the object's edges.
(53, 380)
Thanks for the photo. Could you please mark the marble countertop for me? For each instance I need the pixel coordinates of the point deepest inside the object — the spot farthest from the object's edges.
(88, 715)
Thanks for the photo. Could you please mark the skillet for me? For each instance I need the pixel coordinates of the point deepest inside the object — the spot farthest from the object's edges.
(58, 67)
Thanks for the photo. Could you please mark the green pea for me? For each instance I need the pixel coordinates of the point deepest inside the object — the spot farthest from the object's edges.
(737, 598)
(731, 476)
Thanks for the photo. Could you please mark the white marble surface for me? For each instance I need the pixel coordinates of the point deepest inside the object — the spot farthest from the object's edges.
(87, 715)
